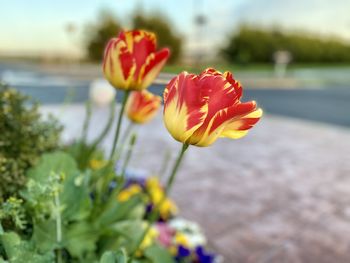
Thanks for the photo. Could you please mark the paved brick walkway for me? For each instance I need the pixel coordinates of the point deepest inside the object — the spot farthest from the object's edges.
(281, 194)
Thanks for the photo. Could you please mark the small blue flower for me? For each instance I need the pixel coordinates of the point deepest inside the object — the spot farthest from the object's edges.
(203, 256)
(182, 253)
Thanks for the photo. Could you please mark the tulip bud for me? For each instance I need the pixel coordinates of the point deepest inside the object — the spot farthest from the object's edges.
(142, 106)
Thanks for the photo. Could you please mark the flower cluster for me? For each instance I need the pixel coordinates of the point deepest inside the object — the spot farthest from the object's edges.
(185, 240)
(153, 195)
(182, 238)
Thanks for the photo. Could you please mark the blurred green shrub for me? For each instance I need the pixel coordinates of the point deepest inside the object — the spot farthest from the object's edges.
(24, 137)
(165, 35)
(251, 44)
(98, 34)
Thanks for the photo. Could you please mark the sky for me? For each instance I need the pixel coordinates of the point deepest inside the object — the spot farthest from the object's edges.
(39, 26)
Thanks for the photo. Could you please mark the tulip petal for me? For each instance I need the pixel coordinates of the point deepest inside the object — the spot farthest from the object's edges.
(151, 69)
(140, 44)
(239, 127)
(139, 40)
(119, 65)
(202, 136)
(131, 61)
(142, 106)
(235, 84)
(184, 107)
(221, 93)
(233, 122)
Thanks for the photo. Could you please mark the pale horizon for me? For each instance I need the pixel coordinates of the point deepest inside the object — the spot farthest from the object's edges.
(39, 27)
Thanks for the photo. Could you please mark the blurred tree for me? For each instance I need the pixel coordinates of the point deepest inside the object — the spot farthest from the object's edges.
(108, 26)
(99, 34)
(256, 45)
(165, 35)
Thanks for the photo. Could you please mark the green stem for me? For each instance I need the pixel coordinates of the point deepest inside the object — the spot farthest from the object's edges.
(58, 227)
(127, 131)
(107, 127)
(121, 178)
(165, 163)
(59, 256)
(106, 179)
(154, 214)
(68, 99)
(124, 140)
(175, 168)
(128, 154)
(119, 124)
(86, 121)
(85, 153)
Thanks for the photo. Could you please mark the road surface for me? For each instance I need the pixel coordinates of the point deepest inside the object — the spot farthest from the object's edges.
(328, 105)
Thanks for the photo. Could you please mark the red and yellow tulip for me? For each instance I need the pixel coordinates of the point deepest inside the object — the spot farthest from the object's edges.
(142, 106)
(131, 61)
(198, 109)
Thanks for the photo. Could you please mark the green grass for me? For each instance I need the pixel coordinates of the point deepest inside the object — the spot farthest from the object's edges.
(177, 68)
(221, 67)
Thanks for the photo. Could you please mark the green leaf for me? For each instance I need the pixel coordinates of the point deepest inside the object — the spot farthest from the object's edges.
(80, 238)
(10, 241)
(57, 162)
(77, 238)
(111, 257)
(44, 235)
(108, 257)
(75, 197)
(158, 254)
(122, 234)
(117, 211)
(20, 251)
(132, 229)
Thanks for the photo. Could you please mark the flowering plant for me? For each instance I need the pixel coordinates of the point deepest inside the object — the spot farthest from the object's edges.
(80, 205)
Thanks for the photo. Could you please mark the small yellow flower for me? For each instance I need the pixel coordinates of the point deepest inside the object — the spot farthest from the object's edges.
(96, 164)
(127, 193)
(181, 239)
(167, 209)
(157, 193)
(148, 240)
(153, 182)
(155, 189)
